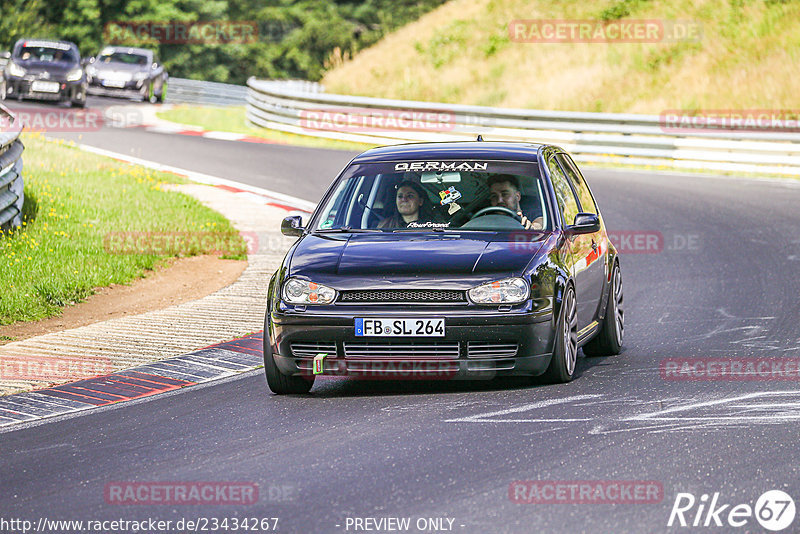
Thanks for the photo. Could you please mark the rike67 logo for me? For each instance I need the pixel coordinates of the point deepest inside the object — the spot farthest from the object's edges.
(774, 510)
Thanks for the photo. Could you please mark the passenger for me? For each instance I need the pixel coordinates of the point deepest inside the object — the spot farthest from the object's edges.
(411, 205)
(506, 194)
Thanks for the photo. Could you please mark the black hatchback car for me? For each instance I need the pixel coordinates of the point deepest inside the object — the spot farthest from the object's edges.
(446, 260)
(45, 70)
(127, 72)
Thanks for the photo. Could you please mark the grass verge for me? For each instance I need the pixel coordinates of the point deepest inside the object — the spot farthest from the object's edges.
(232, 119)
(742, 55)
(81, 210)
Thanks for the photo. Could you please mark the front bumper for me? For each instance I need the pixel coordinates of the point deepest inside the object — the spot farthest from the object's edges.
(22, 87)
(475, 346)
(129, 89)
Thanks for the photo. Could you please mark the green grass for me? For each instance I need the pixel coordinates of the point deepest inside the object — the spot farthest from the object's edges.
(76, 204)
(232, 119)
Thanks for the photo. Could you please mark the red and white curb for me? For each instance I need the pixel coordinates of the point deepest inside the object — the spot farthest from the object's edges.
(212, 363)
(208, 134)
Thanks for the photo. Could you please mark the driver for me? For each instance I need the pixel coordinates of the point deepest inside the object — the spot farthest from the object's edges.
(505, 193)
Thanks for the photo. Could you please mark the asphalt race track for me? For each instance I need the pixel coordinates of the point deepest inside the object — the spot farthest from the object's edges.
(722, 283)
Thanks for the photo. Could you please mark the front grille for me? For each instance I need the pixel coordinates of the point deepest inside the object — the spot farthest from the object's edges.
(487, 350)
(312, 348)
(403, 351)
(403, 296)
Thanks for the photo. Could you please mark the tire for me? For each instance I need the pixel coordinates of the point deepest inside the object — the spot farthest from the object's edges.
(279, 383)
(608, 341)
(565, 349)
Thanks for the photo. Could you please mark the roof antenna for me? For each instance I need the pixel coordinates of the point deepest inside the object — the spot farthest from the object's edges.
(480, 137)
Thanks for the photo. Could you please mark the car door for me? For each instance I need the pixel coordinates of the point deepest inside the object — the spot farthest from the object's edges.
(580, 247)
(593, 246)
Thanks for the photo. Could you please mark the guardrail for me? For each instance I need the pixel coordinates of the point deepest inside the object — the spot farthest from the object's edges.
(183, 91)
(11, 187)
(594, 137)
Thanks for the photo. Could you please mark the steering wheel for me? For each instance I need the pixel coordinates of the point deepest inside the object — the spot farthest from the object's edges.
(500, 210)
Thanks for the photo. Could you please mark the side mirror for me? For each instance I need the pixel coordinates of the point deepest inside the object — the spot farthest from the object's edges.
(155, 66)
(292, 226)
(585, 223)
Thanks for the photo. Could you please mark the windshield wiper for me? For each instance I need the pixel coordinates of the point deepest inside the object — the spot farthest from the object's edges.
(345, 229)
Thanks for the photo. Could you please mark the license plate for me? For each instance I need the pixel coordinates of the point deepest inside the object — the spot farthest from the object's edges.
(404, 327)
(44, 87)
(114, 83)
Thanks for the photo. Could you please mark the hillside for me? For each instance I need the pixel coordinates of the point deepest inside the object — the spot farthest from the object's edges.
(748, 56)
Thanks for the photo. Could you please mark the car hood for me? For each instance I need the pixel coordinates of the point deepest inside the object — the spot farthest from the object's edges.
(354, 259)
(121, 67)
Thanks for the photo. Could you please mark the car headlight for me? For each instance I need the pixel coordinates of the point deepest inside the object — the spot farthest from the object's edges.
(74, 75)
(139, 76)
(91, 70)
(506, 291)
(15, 70)
(297, 291)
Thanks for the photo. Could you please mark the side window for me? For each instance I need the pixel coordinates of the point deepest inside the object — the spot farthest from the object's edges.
(584, 195)
(564, 195)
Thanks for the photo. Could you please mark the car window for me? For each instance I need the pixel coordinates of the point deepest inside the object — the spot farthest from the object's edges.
(123, 57)
(587, 204)
(567, 204)
(45, 52)
(397, 196)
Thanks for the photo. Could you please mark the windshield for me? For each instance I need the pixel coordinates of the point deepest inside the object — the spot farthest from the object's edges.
(436, 195)
(46, 52)
(123, 57)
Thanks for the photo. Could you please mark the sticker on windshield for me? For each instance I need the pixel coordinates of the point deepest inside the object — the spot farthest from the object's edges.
(46, 44)
(324, 225)
(415, 224)
(442, 166)
(451, 194)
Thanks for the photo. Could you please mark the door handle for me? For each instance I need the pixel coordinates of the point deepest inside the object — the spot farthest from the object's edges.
(594, 246)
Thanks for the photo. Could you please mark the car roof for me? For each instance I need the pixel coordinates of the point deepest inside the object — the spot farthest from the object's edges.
(470, 150)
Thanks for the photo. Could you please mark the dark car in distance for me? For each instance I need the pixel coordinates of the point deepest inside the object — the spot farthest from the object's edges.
(44, 70)
(446, 260)
(127, 72)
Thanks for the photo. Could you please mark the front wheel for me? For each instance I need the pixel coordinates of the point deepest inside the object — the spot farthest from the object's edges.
(565, 351)
(608, 341)
(279, 383)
